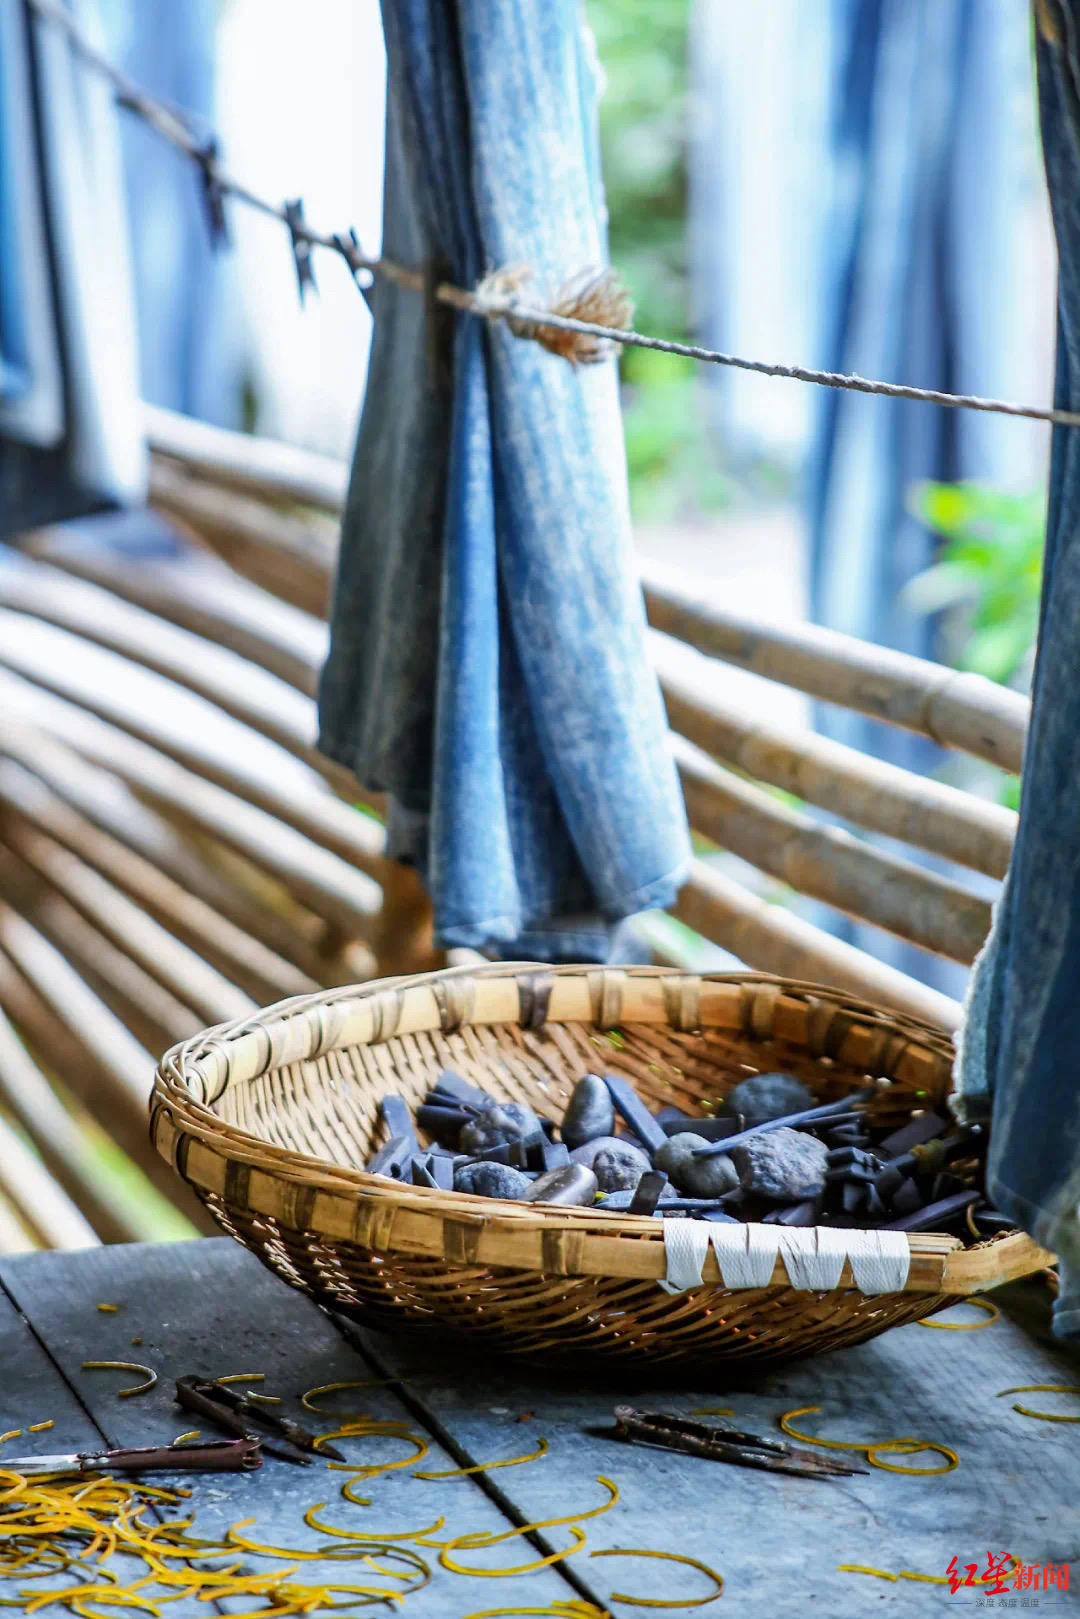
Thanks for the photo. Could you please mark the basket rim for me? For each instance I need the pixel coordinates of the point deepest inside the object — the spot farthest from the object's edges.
(339, 1203)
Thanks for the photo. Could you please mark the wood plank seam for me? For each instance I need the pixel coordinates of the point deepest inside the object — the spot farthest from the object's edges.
(421, 1413)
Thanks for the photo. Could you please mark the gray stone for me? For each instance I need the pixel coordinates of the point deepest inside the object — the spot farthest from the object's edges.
(572, 1184)
(782, 1164)
(617, 1164)
(590, 1112)
(498, 1124)
(769, 1096)
(492, 1180)
(697, 1177)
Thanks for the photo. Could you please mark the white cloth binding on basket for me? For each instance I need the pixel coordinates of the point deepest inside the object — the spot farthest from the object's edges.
(813, 1256)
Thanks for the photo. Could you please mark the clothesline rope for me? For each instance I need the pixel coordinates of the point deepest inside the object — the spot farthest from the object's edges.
(486, 301)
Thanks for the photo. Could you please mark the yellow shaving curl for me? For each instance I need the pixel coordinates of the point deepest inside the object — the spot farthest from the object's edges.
(992, 1314)
(521, 1568)
(908, 1445)
(251, 1377)
(486, 1467)
(924, 1579)
(124, 1366)
(556, 1610)
(480, 1538)
(360, 1430)
(330, 1388)
(357, 1500)
(355, 1534)
(673, 1557)
(1042, 1388)
(911, 1447)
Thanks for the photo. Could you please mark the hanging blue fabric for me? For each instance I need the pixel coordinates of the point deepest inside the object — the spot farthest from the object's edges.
(71, 436)
(1018, 1059)
(932, 168)
(488, 665)
(186, 299)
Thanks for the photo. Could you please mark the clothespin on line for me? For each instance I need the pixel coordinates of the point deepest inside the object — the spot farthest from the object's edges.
(212, 193)
(301, 247)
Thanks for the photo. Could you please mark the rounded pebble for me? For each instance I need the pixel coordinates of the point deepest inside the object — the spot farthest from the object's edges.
(697, 1177)
(617, 1164)
(769, 1096)
(492, 1180)
(589, 1113)
(572, 1184)
(782, 1164)
(498, 1124)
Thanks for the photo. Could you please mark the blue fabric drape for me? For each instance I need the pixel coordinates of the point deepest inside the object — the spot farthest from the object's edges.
(487, 665)
(924, 280)
(70, 424)
(1018, 1057)
(189, 349)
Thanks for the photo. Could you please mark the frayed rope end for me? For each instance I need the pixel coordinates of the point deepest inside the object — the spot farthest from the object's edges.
(594, 295)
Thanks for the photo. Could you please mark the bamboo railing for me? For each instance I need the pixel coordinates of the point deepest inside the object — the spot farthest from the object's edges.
(156, 880)
(241, 502)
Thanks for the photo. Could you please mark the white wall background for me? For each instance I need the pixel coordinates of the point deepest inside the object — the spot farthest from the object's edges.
(301, 94)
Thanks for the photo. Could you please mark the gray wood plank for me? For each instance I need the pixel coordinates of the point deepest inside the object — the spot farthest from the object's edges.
(778, 1541)
(210, 1308)
(32, 1390)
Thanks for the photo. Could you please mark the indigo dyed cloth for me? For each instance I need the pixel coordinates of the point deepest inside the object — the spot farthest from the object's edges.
(930, 175)
(488, 664)
(1018, 1061)
(70, 421)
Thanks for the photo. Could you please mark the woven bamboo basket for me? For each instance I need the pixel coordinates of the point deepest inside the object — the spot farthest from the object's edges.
(267, 1119)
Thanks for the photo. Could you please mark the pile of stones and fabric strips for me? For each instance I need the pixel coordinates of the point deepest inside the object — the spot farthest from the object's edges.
(768, 1153)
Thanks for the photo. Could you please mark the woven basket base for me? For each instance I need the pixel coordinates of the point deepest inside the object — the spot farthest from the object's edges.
(570, 1318)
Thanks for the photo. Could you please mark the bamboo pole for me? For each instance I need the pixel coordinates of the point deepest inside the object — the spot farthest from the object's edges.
(771, 939)
(240, 959)
(14, 1237)
(319, 879)
(111, 807)
(282, 716)
(828, 864)
(295, 554)
(152, 1014)
(865, 791)
(958, 710)
(201, 594)
(241, 461)
(42, 1206)
(113, 1073)
(872, 794)
(314, 816)
(64, 1148)
(176, 967)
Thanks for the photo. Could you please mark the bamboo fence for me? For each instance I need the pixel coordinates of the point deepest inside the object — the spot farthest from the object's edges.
(156, 881)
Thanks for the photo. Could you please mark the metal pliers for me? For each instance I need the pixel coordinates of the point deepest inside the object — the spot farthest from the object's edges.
(236, 1412)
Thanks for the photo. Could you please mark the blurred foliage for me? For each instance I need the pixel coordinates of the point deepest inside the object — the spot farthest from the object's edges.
(987, 581)
(988, 576)
(643, 52)
(643, 133)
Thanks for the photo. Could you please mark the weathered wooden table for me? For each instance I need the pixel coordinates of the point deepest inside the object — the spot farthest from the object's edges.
(209, 1307)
